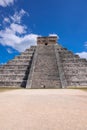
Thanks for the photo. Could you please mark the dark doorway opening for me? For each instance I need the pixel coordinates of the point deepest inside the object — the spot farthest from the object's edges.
(46, 44)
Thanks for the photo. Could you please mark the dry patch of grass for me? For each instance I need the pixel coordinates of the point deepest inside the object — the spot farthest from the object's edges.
(8, 89)
(76, 87)
(4, 89)
(84, 89)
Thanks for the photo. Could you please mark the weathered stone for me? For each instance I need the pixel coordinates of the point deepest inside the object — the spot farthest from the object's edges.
(47, 65)
(15, 72)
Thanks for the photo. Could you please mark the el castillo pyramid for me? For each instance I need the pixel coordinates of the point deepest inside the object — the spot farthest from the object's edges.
(47, 65)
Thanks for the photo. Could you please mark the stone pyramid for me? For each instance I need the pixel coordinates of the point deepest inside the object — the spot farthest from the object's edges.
(47, 65)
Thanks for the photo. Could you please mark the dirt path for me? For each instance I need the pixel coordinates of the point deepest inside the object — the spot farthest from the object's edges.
(43, 110)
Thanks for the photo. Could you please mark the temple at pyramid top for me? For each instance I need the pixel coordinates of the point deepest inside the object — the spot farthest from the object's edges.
(47, 40)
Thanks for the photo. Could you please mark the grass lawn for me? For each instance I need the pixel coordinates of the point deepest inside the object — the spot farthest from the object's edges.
(5, 89)
(8, 89)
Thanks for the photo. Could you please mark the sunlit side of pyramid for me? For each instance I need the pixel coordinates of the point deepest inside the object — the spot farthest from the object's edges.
(47, 65)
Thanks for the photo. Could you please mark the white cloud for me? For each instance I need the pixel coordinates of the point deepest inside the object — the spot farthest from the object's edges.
(85, 44)
(82, 54)
(15, 36)
(8, 37)
(26, 42)
(18, 28)
(5, 3)
(6, 20)
(9, 51)
(53, 34)
(13, 33)
(16, 18)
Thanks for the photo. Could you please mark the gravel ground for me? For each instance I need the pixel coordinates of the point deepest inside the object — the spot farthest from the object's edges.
(48, 109)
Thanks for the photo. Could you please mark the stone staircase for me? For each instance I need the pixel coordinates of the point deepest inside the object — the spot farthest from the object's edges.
(45, 73)
(16, 71)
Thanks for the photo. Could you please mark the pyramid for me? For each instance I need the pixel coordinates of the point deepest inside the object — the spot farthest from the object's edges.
(47, 65)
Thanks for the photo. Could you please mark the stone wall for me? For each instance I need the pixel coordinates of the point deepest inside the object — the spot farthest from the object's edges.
(47, 40)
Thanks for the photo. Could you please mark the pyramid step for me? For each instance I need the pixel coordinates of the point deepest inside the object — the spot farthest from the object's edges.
(18, 62)
(74, 70)
(46, 84)
(23, 57)
(15, 63)
(47, 78)
(71, 68)
(27, 53)
(13, 71)
(76, 73)
(21, 60)
(30, 49)
(13, 77)
(15, 66)
(77, 83)
(13, 83)
(80, 77)
(70, 59)
(75, 64)
(73, 61)
(33, 47)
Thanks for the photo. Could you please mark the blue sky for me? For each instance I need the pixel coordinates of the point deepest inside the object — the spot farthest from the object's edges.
(21, 21)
